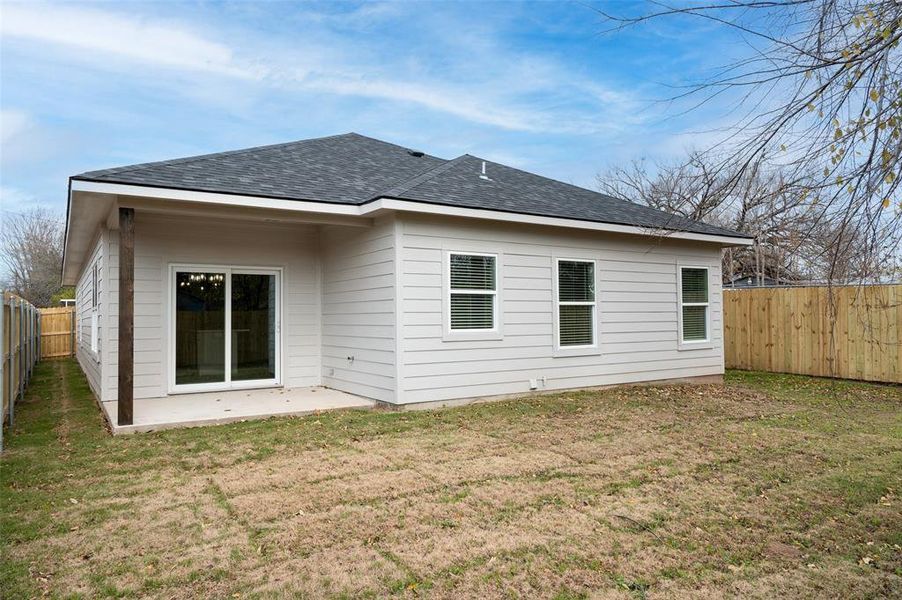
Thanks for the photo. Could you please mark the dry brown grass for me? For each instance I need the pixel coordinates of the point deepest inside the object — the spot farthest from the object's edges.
(766, 486)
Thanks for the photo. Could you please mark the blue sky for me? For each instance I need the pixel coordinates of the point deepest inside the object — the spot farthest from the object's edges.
(533, 85)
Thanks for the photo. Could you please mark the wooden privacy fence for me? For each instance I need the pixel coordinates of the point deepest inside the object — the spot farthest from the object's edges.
(788, 330)
(20, 332)
(57, 331)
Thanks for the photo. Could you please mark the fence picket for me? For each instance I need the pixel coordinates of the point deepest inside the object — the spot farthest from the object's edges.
(57, 331)
(787, 330)
(20, 329)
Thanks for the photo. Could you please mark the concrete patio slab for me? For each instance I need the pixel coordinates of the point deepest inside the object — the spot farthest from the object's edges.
(211, 408)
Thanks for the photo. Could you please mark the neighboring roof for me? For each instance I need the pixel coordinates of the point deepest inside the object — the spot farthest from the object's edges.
(355, 169)
(752, 281)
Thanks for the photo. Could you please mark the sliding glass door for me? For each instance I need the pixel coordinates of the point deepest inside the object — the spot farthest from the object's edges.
(225, 328)
(200, 327)
(253, 326)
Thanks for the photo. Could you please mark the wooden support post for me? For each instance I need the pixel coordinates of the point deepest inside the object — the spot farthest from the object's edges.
(126, 314)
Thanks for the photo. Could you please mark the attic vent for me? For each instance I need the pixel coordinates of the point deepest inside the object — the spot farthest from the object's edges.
(416, 153)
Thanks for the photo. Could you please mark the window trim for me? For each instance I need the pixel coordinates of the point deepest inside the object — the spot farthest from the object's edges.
(496, 332)
(592, 349)
(683, 344)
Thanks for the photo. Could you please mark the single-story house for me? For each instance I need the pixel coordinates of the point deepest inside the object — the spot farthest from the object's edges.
(354, 265)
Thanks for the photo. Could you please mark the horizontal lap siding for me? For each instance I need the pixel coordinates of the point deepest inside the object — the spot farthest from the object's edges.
(359, 310)
(89, 361)
(160, 242)
(637, 298)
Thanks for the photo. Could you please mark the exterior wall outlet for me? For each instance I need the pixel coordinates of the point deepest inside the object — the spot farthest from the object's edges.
(533, 384)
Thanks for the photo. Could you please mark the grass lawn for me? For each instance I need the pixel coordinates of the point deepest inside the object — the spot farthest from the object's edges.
(767, 486)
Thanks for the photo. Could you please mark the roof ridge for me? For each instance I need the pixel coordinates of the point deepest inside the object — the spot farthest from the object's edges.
(384, 143)
(416, 180)
(188, 159)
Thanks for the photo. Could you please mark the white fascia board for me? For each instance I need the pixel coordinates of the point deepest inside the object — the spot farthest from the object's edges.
(439, 209)
(66, 234)
(395, 205)
(122, 189)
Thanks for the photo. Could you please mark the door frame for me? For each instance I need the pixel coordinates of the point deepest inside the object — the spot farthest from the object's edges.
(228, 384)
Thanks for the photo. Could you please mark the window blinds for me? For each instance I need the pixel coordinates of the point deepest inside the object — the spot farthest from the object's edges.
(473, 287)
(695, 286)
(469, 272)
(694, 293)
(576, 281)
(576, 303)
(576, 325)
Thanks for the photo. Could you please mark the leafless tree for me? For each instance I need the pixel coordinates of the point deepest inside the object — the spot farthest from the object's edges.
(819, 99)
(32, 252)
(792, 242)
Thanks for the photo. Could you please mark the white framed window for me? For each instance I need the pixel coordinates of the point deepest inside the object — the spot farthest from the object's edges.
(94, 278)
(95, 301)
(472, 292)
(695, 309)
(94, 331)
(576, 313)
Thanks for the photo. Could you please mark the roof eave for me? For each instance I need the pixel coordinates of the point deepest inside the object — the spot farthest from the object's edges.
(378, 203)
(407, 205)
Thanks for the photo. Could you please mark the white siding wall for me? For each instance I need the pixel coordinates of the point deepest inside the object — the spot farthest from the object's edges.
(161, 241)
(637, 299)
(90, 361)
(359, 310)
(339, 300)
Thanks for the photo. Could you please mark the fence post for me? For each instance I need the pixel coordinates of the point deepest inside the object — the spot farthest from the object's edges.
(34, 339)
(72, 334)
(2, 361)
(31, 330)
(9, 338)
(12, 400)
(30, 346)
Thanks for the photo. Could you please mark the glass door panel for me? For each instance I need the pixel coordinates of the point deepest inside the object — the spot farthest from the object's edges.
(200, 327)
(253, 300)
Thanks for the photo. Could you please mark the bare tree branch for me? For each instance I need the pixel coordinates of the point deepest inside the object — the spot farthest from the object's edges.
(821, 140)
(32, 252)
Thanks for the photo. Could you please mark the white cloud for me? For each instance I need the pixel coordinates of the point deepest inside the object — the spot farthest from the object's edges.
(107, 35)
(14, 199)
(442, 98)
(13, 123)
(483, 83)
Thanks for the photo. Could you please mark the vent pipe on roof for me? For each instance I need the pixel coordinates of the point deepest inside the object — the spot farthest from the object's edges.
(483, 175)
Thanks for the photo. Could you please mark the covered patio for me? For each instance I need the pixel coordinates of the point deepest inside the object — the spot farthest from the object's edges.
(213, 408)
(196, 312)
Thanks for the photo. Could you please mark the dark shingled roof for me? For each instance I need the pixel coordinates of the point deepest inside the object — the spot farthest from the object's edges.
(355, 169)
